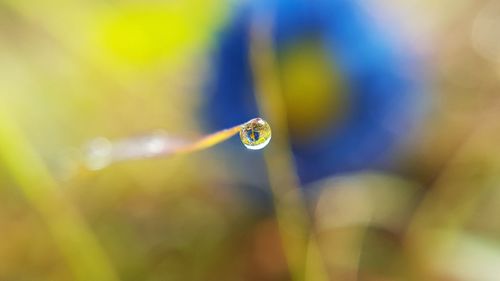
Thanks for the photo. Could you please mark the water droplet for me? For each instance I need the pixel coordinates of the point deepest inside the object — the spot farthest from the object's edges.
(255, 134)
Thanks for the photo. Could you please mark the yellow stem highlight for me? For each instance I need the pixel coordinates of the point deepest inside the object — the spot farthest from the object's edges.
(209, 140)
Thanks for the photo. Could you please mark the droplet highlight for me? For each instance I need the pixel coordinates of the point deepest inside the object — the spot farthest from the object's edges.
(255, 134)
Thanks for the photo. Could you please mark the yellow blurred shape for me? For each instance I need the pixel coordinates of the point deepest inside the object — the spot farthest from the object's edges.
(144, 33)
(312, 88)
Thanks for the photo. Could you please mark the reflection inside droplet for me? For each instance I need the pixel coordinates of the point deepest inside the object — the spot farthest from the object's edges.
(255, 134)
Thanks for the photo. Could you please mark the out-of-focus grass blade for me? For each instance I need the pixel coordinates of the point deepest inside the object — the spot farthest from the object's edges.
(301, 248)
(75, 240)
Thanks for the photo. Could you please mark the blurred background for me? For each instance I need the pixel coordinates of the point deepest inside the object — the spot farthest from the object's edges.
(384, 163)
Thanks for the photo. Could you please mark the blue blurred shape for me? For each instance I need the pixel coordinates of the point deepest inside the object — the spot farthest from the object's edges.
(380, 82)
